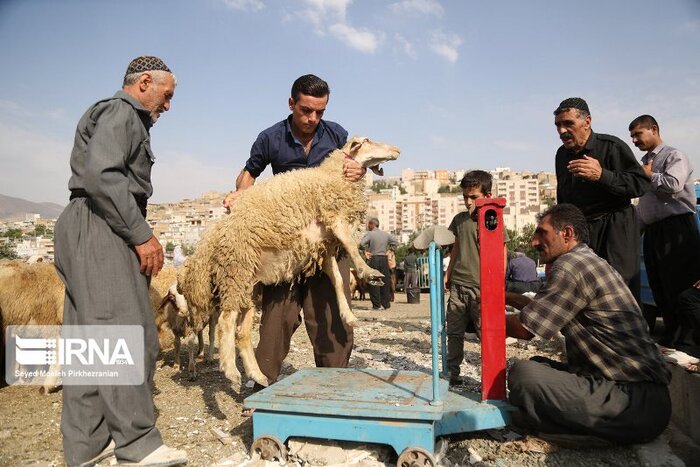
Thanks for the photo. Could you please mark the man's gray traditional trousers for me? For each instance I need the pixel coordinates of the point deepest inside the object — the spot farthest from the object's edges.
(104, 286)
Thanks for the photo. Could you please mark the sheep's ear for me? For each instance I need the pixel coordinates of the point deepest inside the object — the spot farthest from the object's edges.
(169, 298)
(355, 146)
(378, 170)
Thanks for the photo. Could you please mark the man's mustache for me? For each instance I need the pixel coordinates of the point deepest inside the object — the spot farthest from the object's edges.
(566, 135)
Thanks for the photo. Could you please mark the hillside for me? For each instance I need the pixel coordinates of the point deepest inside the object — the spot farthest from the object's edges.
(16, 207)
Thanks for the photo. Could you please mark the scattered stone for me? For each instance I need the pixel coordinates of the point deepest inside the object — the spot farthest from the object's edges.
(221, 435)
(474, 456)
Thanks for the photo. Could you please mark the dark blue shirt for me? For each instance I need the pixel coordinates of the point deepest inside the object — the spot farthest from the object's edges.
(278, 147)
(522, 268)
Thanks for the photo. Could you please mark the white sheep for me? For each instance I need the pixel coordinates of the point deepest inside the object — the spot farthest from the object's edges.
(279, 231)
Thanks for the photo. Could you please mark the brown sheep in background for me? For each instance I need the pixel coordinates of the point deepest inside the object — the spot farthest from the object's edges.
(33, 294)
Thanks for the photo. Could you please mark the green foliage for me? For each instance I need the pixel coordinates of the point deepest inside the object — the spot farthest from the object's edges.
(379, 185)
(13, 234)
(522, 239)
(39, 230)
(402, 250)
(513, 239)
(450, 189)
(169, 247)
(188, 250)
(7, 251)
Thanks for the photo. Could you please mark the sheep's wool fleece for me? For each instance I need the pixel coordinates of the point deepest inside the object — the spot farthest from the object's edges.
(274, 216)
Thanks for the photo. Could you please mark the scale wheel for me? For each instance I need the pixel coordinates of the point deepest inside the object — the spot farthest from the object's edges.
(269, 448)
(415, 457)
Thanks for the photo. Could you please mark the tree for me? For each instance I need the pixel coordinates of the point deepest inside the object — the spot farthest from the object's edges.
(522, 240)
(13, 234)
(7, 251)
(402, 250)
(39, 230)
(169, 247)
(513, 239)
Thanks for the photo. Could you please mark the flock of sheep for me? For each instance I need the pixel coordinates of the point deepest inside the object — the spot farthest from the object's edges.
(279, 231)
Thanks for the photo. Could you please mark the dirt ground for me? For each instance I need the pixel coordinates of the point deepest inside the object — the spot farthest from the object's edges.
(188, 411)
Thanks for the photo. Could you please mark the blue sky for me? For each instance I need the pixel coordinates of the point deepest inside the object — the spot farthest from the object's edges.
(455, 84)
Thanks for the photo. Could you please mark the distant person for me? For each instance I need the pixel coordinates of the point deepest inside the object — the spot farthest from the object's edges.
(303, 139)
(410, 267)
(179, 257)
(376, 243)
(391, 260)
(667, 211)
(463, 275)
(599, 174)
(105, 254)
(521, 273)
(614, 384)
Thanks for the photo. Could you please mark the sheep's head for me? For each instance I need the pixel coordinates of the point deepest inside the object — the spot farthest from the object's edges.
(370, 153)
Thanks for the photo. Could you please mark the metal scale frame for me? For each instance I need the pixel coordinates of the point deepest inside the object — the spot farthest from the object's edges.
(407, 410)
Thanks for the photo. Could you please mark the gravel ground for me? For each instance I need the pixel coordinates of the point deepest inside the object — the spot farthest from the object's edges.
(190, 411)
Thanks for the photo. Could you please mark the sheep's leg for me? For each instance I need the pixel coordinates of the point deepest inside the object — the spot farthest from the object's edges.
(342, 232)
(191, 365)
(212, 334)
(200, 342)
(178, 348)
(330, 267)
(51, 382)
(226, 331)
(245, 347)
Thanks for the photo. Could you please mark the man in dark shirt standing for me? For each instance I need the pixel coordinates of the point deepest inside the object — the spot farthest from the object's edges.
(599, 174)
(301, 140)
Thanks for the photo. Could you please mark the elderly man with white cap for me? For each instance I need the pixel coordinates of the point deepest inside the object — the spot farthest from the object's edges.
(105, 254)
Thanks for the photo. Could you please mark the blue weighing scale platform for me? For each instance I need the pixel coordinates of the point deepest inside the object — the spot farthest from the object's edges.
(407, 410)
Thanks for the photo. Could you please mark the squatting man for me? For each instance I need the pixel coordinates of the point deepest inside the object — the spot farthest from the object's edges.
(614, 385)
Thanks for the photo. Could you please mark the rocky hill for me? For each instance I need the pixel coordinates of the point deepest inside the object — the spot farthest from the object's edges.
(16, 207)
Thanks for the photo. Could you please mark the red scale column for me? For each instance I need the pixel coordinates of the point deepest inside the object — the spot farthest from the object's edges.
(493, 298)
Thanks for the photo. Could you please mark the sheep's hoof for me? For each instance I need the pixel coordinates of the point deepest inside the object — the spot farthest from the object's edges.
(46, 390)
(262, 381)
(234, 377)
(353, 322)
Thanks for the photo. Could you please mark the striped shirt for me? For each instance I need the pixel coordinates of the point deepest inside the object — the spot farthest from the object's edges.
(606, 334)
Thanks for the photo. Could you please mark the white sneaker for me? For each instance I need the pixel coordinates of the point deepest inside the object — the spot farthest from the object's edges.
(104, 454)
(164, 456)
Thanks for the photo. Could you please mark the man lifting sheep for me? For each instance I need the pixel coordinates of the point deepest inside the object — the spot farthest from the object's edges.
(301, 140)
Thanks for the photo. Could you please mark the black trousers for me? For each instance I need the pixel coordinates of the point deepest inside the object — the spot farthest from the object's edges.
(672, 259)
(688, 312)
(615, 238)
(380, 295)
(553, 401)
